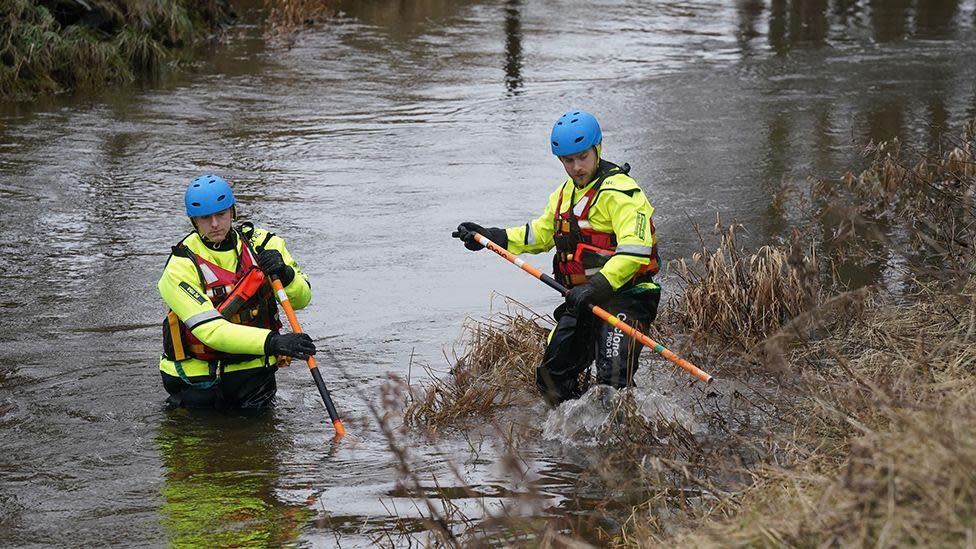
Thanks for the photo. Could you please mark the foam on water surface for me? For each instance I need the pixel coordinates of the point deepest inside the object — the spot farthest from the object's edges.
(586, 421)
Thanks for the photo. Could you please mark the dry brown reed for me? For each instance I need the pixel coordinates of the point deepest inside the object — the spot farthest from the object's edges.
(496, 370)
(883, 443)
(285, 17)
(878, 439)
(743, 298)
(924, 199)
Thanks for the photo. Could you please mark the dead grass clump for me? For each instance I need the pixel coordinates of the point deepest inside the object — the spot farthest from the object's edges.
(923, 200)
(884, 443)
(285, 17)
(495, 370)
(875, 442)
(47, 47)
(730, 295)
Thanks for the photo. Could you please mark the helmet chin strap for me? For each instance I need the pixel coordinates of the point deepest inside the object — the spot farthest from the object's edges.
(598, 148)
(229, 241)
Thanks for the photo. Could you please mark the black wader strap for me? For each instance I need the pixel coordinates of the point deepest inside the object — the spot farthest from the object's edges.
(180, 250)
(247, 231)
(606, 170)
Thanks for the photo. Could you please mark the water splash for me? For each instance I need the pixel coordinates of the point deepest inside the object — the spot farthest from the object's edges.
(586, 421)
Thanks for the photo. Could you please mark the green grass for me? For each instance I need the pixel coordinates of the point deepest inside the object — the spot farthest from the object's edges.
(54, 49)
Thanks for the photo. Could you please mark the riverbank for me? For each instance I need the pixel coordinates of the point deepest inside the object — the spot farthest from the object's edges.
(874, 412)
(842, 415)
(52, 46)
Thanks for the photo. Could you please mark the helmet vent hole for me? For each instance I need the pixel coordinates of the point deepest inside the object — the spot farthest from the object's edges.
(578, 139)
(576, 113)
(221, 197)
(196, 184)
(555, 143)
(573, 121)
(195, 204)
(560, 123)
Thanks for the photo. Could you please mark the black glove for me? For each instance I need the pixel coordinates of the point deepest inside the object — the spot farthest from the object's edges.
(465, 232)
(596, 290)
(294, 345)
(272, 264)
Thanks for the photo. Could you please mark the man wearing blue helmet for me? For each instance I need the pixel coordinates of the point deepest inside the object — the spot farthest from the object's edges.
(600, 223)
(221, 345)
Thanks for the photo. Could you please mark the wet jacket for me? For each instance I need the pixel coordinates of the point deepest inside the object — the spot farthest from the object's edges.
(618, 208)
(183, 288)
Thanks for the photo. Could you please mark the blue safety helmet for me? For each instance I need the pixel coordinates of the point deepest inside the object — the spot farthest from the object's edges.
(208, 194)
(575, 132)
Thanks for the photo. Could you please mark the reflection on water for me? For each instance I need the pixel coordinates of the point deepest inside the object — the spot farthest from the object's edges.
(363, 144)
(513, 47)
(220, 478)
(815, 23)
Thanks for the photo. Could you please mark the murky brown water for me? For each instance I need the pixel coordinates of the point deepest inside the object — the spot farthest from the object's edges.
(364, 144)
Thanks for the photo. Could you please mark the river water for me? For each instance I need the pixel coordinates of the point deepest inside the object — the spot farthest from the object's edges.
(363, 143)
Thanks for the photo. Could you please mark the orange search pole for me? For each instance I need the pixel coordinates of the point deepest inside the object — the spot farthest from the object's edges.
(340, 431)
(611, 319)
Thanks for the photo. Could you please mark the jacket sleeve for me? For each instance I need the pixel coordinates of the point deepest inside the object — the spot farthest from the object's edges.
(299, 290)
(535, 236)
(630, 214)
(180, 289)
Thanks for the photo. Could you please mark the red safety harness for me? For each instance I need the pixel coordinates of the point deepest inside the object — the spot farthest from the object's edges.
(582, 251)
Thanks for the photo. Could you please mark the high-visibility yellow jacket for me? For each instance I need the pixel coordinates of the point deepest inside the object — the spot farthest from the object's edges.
(219, 333)
(619, 207)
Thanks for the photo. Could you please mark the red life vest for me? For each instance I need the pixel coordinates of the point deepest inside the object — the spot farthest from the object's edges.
(582, 251)
(251, 294)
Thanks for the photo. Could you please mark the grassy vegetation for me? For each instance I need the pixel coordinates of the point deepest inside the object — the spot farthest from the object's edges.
(52, 46)
(48, 46)
(842, 416)
(496, 370)
(883, 438)
(880, 410)
(285, 17)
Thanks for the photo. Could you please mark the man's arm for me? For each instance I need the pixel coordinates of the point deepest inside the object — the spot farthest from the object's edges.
(299, 290)
(535, 236)
(180, 289)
